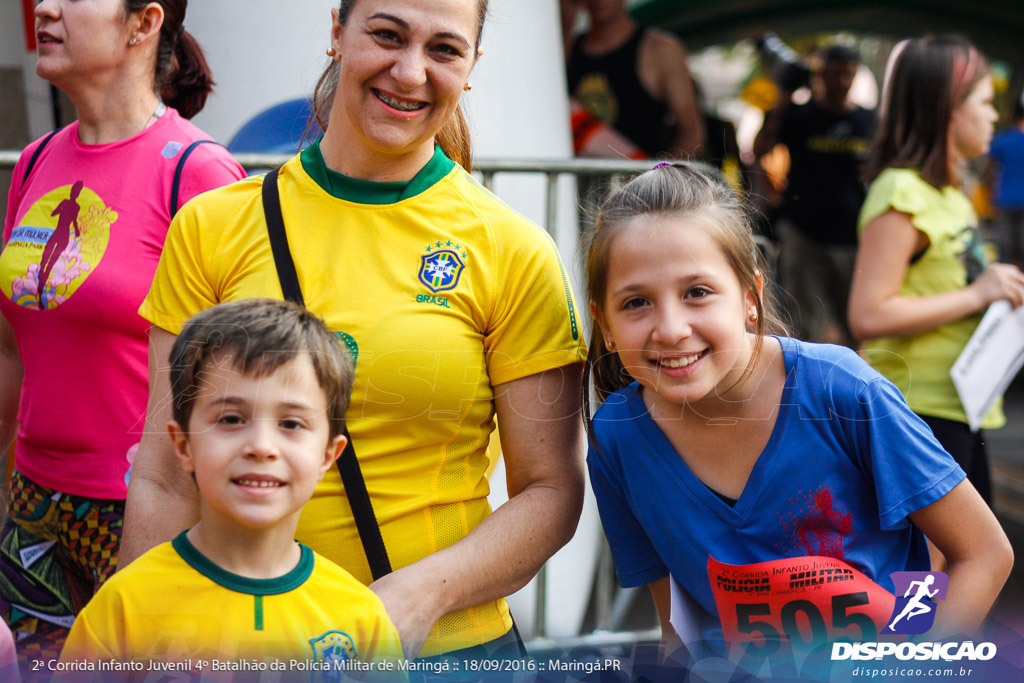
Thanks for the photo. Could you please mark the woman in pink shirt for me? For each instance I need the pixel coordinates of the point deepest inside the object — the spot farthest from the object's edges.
(88, 213)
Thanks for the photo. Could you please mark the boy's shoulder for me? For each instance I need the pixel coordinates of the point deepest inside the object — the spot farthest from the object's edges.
(165, 565)
(159, 558)
(152, 568)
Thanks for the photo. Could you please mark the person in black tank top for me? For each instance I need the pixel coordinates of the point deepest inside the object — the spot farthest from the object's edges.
(635, 80)
(607, 85)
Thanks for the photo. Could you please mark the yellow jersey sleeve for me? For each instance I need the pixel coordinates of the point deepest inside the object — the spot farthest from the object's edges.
(191, 273)
(534, 322)
(97, 633)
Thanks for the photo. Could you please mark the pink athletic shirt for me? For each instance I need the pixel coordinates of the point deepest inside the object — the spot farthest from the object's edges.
(82, 237)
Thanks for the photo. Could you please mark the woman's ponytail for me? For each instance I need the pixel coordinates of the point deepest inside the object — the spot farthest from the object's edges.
(182, 77)
(455, 141)
(188, 82)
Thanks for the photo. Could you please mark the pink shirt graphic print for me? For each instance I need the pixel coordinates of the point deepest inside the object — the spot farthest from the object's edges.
(83, 235)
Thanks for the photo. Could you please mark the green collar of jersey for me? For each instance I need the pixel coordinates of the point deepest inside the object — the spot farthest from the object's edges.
(243, 584)
(368, 192)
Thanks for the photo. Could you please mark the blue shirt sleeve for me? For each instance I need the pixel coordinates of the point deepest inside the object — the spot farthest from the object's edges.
(636, 560)
(894, 447)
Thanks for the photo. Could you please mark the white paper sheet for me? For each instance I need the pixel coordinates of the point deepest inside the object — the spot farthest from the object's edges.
(684, 615)
(990, 360)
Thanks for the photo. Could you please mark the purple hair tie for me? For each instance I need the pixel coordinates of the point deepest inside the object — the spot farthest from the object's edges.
(661, 164)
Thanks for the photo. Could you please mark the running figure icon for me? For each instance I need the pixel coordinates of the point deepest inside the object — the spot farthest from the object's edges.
(915, 606)
(67, 217)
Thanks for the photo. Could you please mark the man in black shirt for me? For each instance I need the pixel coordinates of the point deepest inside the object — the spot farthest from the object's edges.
(828, 140)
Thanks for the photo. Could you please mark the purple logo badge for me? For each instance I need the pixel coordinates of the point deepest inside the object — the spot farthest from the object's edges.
(916, 593)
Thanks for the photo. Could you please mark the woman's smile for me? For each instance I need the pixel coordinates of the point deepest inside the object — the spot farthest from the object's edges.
(399, 103)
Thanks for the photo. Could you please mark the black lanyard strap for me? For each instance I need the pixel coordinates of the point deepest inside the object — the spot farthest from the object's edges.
(348, 464)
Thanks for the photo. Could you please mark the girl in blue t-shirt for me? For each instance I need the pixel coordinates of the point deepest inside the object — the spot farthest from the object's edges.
(717, 442)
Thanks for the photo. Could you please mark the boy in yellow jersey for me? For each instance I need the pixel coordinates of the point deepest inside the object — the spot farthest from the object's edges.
(260, 391)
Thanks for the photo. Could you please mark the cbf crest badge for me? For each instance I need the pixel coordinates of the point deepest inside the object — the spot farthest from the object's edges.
(440, 269)
(335, 649)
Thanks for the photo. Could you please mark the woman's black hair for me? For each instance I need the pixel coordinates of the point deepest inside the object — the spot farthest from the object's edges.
(182, 77)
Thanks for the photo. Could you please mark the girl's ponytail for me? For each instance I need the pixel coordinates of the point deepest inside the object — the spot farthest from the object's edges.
(605, 366)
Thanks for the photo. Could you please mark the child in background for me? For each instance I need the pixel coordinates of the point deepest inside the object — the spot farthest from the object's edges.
(260, 391)
(719, 441)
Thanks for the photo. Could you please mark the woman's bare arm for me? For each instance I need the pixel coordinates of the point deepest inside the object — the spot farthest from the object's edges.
(542, 443)
(162, 499)
(877, 309)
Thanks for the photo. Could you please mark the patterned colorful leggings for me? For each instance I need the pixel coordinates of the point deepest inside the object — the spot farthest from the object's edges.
(56, 550)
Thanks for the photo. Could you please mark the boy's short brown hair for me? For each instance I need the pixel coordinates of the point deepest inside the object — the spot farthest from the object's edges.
(259, 336)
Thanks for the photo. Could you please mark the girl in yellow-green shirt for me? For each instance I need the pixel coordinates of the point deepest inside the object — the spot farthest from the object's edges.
(922, 279)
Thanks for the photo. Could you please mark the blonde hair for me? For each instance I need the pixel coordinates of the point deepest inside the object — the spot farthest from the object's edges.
(685, 191)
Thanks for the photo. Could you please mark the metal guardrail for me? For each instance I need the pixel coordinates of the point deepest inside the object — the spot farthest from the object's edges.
(487, 168)
(8, 157)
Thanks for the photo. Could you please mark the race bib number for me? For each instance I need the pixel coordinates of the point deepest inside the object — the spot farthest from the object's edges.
(803, 600)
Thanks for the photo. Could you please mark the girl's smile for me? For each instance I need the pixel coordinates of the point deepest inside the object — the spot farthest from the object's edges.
(684, 364)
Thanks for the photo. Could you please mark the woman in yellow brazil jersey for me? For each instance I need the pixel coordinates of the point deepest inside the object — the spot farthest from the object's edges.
(455, 309)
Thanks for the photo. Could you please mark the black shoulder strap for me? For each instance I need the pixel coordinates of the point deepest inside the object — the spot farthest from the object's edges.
(348, 465)
(279, 240)
(176, 185)
(35, 155)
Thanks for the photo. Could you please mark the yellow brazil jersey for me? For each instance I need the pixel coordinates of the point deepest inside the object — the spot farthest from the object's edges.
(440, 291)
(173, 604)
(919, 364)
